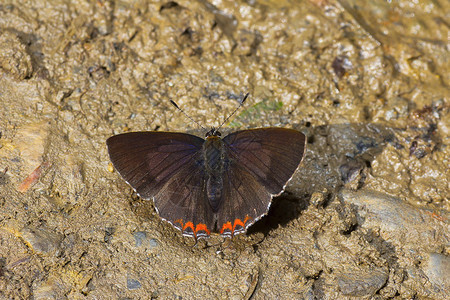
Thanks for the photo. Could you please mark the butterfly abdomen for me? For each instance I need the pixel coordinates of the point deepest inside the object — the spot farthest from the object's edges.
(214, 152)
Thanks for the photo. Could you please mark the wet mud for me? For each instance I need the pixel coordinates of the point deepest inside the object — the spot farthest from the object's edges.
(366, 214)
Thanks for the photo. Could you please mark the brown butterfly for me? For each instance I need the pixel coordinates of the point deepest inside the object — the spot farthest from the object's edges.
(209, 185)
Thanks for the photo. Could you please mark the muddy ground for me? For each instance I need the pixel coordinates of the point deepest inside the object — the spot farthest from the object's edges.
(366, 215)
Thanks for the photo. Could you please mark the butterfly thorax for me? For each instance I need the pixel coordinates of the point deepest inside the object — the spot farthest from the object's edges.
(214, 158)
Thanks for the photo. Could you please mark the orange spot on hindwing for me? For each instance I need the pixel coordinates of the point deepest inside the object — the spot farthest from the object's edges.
(188, 228)
(201, 230)
(227, 229)
(237, 226)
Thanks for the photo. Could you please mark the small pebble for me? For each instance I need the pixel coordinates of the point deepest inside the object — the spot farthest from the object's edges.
(359, 284)
(139, 237)
(133, 284)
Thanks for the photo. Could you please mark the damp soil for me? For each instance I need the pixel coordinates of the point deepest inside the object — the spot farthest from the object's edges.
(366, 214)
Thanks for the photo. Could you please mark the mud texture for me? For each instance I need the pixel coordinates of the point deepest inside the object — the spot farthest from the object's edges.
(367, 214)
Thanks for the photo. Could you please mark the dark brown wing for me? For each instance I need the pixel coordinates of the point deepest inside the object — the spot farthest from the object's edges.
(183, 202)
(169, 168)
(147, 160)
(261, 162)
(244, 201)
(271, 155)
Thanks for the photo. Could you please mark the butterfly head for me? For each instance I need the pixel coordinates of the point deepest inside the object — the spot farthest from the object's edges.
(213, 132)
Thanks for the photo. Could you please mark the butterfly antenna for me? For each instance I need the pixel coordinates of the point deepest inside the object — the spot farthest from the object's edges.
(187, 116)
(234, 111)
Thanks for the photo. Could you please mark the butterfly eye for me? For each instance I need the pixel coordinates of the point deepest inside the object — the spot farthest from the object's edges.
(212, 132)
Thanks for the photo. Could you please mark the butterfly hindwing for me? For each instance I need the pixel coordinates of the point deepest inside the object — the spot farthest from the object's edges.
(183, 202)
(245, 201)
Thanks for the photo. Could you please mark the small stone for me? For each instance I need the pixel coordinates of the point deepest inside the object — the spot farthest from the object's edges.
(352, 174)
(30, 140)
(153, 243)
(133, 284)
(341, 64)
(53, 288)
(360, 283)
(437, 269)
(399, 222)
(42, 241)
(139, 237)
(318, 198)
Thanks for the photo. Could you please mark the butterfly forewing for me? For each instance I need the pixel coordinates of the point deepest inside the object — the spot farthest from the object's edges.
(271, 155)
(146, 160)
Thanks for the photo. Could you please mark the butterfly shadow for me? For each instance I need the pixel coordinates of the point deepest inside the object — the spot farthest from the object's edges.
(283, 210)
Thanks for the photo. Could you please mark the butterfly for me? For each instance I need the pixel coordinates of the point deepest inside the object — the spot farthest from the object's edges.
(215, 184)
